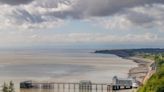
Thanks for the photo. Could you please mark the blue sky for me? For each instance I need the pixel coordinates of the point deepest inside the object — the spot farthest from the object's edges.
(82, 23)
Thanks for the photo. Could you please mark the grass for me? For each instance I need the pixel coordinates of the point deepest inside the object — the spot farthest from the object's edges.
(156, 82)
(149, 56)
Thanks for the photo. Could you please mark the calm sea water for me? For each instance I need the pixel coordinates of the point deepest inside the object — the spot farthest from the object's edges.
(60, 66)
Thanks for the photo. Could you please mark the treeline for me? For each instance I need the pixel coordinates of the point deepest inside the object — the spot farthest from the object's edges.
(156, 82)
(131, 52)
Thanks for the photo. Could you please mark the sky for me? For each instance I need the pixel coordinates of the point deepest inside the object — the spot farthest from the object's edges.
(82, 23)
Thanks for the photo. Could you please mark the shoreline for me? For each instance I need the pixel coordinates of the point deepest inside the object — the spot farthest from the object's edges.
(145, 68)
(141, 71)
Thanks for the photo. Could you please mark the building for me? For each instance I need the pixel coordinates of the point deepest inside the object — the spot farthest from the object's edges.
(119, 83)
(26, 84)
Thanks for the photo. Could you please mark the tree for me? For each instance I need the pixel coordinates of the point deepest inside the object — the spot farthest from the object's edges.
(160, 88)
(11, 87)
(5, 88)
(8, 88)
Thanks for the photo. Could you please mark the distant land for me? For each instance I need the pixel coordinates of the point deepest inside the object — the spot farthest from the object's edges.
(131, 52)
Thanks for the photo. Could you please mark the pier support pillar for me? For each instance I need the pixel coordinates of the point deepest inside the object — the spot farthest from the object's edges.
(101, 87)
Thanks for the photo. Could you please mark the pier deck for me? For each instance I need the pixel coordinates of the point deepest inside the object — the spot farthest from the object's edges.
(68, 85)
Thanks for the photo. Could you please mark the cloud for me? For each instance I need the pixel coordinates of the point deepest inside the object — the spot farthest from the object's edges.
(34, 14)
(15, 2)
(26, 18)
(81, 9)
(107, 7)
(149, 16)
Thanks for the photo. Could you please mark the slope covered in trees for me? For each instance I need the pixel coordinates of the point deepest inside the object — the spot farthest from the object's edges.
(156, 82)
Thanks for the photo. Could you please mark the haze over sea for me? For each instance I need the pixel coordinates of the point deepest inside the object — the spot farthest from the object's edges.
(64, 65)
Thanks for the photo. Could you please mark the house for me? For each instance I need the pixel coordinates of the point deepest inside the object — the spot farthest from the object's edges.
(118, 83)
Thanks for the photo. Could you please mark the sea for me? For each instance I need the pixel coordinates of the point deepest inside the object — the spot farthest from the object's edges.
(60, 65)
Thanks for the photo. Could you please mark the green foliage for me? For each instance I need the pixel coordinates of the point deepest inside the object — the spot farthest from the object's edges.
(8, 88)
(147, 56)
(160, 88)
(5, 87)
(156, 82)
(11, 87)
(160, 72)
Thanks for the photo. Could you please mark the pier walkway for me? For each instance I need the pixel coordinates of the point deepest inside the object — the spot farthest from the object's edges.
(118, 84)
(67, 85)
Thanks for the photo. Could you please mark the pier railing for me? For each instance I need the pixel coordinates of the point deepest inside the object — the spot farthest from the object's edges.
(67, 85)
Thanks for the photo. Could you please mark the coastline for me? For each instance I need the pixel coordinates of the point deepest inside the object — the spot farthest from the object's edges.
(143, 70)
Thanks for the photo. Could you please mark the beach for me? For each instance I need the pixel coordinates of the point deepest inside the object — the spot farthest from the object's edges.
(143, 70)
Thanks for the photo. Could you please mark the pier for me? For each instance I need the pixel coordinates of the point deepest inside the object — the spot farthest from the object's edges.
(81, 86)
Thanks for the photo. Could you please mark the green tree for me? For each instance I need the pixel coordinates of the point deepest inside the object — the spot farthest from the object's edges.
(11, 87)
(5, 88)
(160, 88)
(156, 82)
(8, 88)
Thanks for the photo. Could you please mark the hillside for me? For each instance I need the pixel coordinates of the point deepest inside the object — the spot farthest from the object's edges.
(156, 82)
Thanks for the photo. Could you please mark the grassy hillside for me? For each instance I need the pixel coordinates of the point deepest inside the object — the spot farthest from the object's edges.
(156, 82)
